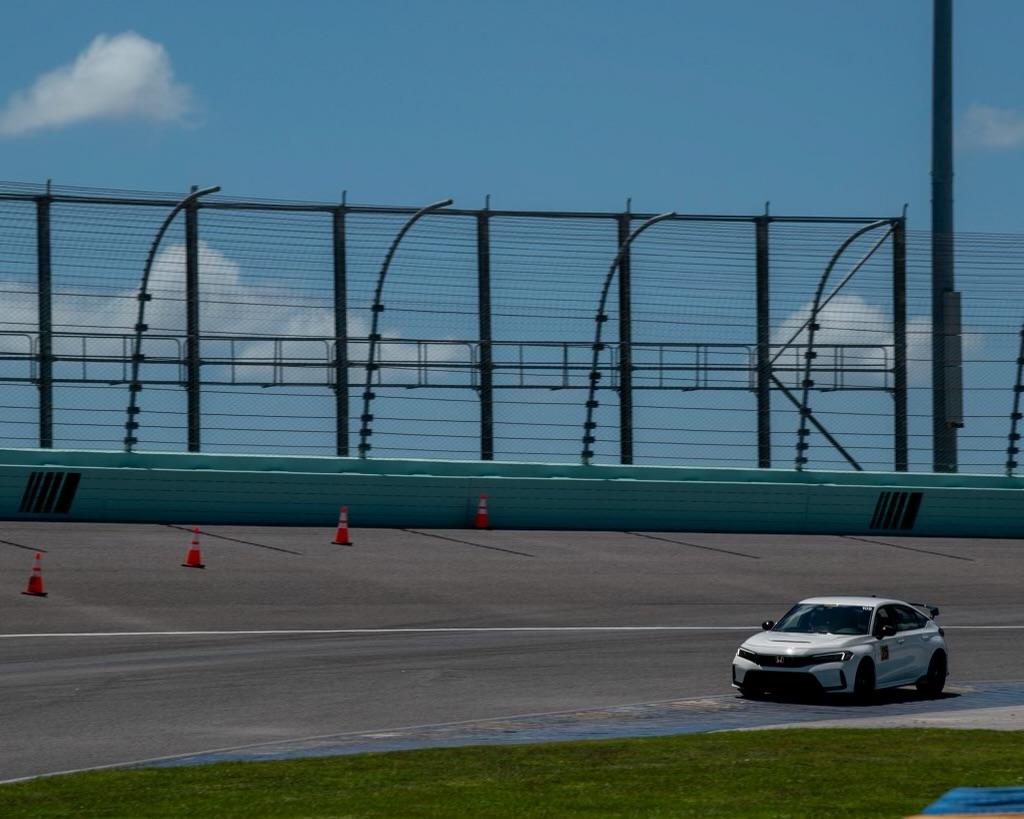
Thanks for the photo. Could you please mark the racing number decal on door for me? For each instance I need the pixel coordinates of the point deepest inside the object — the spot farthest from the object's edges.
(896, 510)
(883, 653)
(47, 492)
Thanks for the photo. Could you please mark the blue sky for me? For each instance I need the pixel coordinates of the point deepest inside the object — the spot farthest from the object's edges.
(820, 106)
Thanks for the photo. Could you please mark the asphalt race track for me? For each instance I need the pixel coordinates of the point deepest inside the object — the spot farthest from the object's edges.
(286, 644)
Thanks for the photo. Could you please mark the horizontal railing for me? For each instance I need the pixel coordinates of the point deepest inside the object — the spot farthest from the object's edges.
(419, 363)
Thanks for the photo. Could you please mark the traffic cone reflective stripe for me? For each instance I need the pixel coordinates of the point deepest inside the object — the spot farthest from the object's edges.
(35, 580)
(480, 521)
(341, 533)
(193, 560)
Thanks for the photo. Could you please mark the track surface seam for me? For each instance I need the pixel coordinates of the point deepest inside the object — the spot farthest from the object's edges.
(23, 546)
(907, 548)
(693, 545)
(234, 539)
(467, 542)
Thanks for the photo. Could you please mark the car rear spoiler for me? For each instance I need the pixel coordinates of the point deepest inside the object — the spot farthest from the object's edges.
(932, 610)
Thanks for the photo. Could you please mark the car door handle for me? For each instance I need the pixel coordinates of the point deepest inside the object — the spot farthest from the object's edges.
(900, 641)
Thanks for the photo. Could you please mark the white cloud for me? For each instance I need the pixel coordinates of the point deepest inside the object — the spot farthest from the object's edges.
(850, 319)
(119, 76)
(988, 127)
(845, 320)
(228, 306)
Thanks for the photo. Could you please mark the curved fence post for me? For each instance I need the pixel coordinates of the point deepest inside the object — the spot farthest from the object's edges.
(131, 426)
(589, 425)
(1012, 446)
(812, 327)
(365, 418)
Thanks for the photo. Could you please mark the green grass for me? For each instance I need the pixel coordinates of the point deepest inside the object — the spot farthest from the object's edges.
(785, 773)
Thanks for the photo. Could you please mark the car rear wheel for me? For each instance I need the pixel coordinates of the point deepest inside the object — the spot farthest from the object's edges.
(864, 682)
(934, 681)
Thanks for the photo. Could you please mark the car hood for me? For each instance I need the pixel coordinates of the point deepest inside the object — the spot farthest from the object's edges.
(777, 642)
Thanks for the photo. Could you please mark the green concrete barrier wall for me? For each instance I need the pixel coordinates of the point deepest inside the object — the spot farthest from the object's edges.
(206, 489)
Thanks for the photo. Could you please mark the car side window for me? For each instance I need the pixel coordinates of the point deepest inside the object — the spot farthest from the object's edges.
(884, 616)
(908, 620)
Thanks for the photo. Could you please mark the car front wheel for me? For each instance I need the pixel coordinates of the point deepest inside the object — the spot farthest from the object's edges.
(934, 681)
(864, 682)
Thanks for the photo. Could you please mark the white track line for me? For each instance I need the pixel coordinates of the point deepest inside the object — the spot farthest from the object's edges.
(358, 631)
(450, 630)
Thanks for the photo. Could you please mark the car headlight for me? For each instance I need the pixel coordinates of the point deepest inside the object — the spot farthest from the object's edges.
(747, 655)
(833, 657)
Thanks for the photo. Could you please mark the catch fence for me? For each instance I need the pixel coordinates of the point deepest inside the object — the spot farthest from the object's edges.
(343, 329)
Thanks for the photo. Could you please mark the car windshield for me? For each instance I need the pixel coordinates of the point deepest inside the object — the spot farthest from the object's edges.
(822, 618)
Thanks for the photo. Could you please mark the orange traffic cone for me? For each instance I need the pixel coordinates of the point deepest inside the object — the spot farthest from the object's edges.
(193, 560)
(341, 533)
(480, 521)
(35, 580)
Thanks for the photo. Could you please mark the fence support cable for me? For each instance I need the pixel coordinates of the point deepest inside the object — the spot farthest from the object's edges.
(818, 425)
(835, 292)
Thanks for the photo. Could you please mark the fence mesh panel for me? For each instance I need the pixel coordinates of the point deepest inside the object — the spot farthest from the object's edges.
(486, 333)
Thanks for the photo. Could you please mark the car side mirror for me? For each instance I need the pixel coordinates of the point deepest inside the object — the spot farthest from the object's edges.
(886, 630)
(768, 625)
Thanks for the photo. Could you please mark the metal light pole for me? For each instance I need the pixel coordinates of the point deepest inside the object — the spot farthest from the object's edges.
(947, 389)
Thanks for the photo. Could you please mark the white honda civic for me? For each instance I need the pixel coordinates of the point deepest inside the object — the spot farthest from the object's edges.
(853, 645)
